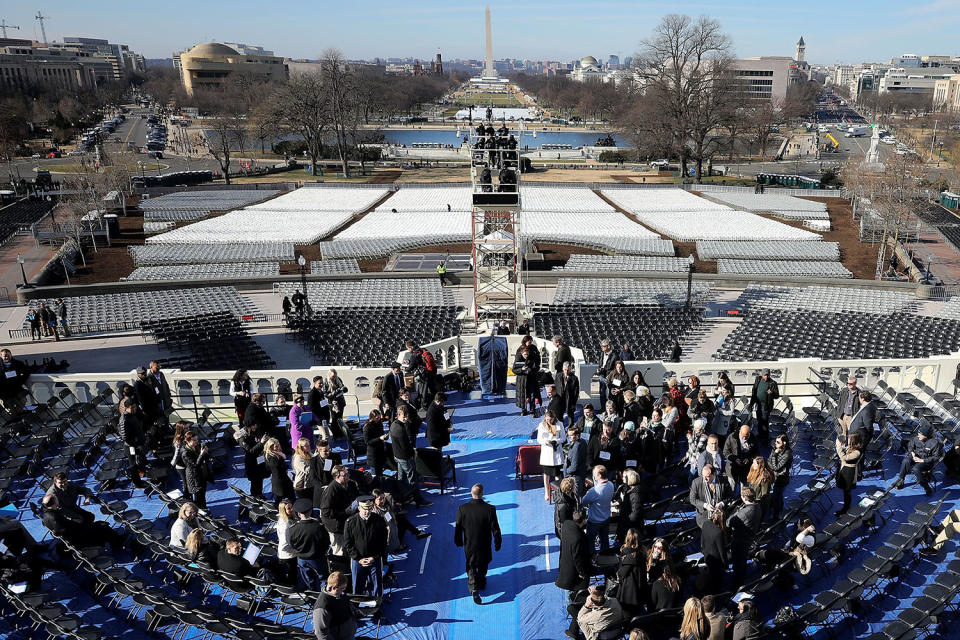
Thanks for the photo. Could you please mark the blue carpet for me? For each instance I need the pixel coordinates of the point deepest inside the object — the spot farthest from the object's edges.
(432, 601)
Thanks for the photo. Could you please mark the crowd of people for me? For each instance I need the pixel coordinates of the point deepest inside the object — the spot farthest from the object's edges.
(336, 526)
(48, 321)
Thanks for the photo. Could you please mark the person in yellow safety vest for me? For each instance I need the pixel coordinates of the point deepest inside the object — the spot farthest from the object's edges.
(442, 272)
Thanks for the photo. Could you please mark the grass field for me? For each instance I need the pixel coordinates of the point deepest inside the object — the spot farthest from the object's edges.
(487, 98)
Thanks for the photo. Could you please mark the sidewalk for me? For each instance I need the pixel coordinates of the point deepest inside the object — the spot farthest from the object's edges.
(34, 258)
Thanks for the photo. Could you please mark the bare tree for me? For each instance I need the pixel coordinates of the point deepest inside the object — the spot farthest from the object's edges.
(303, 108)
(226, 124)
(338, 83)
(676, 65)
(760, 118)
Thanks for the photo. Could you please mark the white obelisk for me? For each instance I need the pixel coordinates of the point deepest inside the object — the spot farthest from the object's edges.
(488, 70)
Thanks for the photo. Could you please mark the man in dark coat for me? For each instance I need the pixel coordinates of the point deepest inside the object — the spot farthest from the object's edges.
(923, 451)
(392, 383)
(13, 377)
(561, 355)
(310, 542)
(575, 463)
(72, 527)
(555, 403)
(251, 439)
(256, 414)
(335, 506)
(230, 561)
(575, 566)
(847, 405)
(163, 388)
(864, 418)
(131, 434)
(744, 525)
(365, 537)
(708, 492)
(739, 450)
(439, 426)
(475, 529)
(764, 394)
(523, 329)
(568, 387)
(607, 358)
(151, 407)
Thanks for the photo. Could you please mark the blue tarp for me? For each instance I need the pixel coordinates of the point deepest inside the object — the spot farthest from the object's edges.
(493, 365)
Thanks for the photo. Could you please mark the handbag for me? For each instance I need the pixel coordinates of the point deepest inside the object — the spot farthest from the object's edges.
(613, 588)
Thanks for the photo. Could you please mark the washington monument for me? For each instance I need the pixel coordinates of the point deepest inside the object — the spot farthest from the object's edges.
(488, 69)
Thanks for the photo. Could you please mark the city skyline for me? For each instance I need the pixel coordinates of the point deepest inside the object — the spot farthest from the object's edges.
(535, 30)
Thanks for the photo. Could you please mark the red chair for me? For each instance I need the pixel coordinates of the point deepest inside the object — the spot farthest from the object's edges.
(528, 462)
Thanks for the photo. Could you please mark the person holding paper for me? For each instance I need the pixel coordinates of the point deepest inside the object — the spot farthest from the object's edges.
(252, 440)
(708, 494)
(405, 455)
(241, 388)
(320, 407)
(550, 435)
(439, 426)
(617, 382)
(232, 562)
(334, 389)
(323, 463)
(365, 539)
(301, 422)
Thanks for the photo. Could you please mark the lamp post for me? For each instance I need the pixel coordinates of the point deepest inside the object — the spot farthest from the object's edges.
(689, 280)
(22, 272)
(302, 266)
(940, 155)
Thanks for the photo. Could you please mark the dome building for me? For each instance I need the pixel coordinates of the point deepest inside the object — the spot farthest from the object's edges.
(588, 70)
(208, 65)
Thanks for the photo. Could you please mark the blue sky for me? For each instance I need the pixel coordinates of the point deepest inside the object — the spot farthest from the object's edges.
(849, 31)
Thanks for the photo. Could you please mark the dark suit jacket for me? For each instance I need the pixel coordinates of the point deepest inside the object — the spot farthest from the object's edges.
(744, 525)
(569, 389)
(390, 389)
(842, 402)
(561, 355)
(161, 383)
(574, 556)
(606, 363)
(767, 400)
(738, 456)
(699, 494)
(147, 398)
(476, 527)
(863, 422)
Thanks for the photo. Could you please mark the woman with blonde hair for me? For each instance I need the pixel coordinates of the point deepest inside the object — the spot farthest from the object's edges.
(185, 523)
(179, 441)
(551, 438)
(631, 504)
(276, 461)
(694, 625)
(568, 502)
(200, 549)
(285, 553)
(761, 478)
(303, 479)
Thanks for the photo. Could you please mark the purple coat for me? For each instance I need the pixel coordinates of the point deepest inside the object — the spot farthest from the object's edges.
(297, 431)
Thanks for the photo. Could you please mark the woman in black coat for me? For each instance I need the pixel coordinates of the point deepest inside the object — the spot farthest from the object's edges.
(251, 440)
(241, 388)
(280, 483)
(567, 503)
(665, 592)
(632, 575)
(438, 424)
(780, 462)
(713, 544)
(527, 370)
(374, 436)
(194, 458)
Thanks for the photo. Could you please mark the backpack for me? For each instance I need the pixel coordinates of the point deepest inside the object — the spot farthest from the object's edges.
(428, 361)
(378, 388)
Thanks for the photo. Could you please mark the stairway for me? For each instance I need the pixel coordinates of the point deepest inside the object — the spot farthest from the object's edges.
(702, 343)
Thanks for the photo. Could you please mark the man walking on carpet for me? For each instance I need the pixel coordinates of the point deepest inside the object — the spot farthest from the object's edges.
(476, 528)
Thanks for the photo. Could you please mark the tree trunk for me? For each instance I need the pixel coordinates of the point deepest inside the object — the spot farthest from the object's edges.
(313, 162)
(699, 169)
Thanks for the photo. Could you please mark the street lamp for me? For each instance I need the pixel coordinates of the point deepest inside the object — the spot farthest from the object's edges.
(302, 266)
(22, 272)
(940, 155)
(689, 280)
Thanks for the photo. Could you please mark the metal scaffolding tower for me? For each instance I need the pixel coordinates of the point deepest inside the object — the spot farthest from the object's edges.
(498, 291)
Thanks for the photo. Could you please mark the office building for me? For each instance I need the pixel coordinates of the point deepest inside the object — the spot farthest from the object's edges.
(946, 94)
